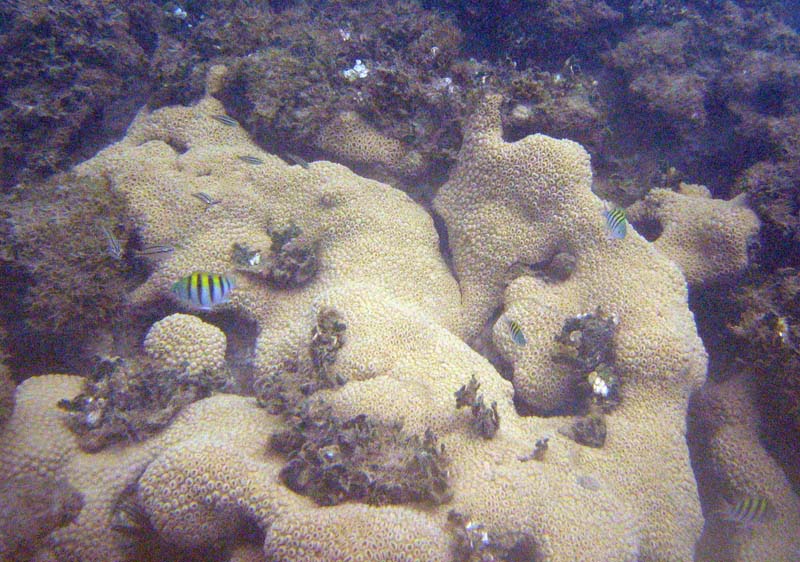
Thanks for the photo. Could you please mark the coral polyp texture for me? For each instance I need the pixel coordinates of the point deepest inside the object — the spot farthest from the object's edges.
(185, 341)
(708, 238)
(384, 324)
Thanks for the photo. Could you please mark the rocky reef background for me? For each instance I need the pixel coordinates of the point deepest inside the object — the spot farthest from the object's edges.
(658, 92)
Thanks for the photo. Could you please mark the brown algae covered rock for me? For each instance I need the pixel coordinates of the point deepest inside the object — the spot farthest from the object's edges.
(31, 506)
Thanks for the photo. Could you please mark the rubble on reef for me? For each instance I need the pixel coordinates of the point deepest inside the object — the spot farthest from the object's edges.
(359, 459)
(128, 400)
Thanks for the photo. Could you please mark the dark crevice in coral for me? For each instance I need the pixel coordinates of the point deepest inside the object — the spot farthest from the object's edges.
(241, 334)
(444, 242)
(649, 228)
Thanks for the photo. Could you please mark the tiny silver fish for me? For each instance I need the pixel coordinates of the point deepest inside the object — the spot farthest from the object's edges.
(114, 249)
(154, 250)
(254, 160)
(297, 160)
(205, 198)
(225, 119)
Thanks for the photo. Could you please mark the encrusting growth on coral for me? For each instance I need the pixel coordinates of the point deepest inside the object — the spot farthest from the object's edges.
(587, 430)
(130, 400)
(472, 542)
(6, 394)
(333, 460)
(586, 341)
(287, 384)
(485, 420)
(327, 337)
(292, 262)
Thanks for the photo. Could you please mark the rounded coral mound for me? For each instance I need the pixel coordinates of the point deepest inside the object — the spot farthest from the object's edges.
(708, 238)
(183, 340)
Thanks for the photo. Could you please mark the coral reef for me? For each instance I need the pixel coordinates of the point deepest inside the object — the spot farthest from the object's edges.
(75, 73)
(712, 86)
(762, 322)
(708, 238)
(406, 104)
(524, 202)
(384, 322)
(731, 464)
(282, 388)
(348, 138)
(31, 507)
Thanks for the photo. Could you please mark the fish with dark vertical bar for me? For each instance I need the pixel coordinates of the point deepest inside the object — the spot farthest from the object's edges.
(748, 511)
(517, 336)
(616, 222)
(203, 290)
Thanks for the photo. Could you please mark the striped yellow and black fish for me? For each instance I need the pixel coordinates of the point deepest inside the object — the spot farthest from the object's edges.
(516, 332)
(616, 222)
(750, 510)
(204, 290)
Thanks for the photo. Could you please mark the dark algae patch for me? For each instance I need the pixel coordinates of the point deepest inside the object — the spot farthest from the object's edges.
(334, 460)
(130, 400)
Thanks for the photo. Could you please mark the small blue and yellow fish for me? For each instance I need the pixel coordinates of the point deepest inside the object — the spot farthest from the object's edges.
(516, 332)
(748, 511)
(616, 222)
(203, 290)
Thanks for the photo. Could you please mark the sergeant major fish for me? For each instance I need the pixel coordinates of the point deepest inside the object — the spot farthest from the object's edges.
(616, 222)
(203, 290)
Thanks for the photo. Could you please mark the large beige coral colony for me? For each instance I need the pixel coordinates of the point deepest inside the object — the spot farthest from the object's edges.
(210, 474)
